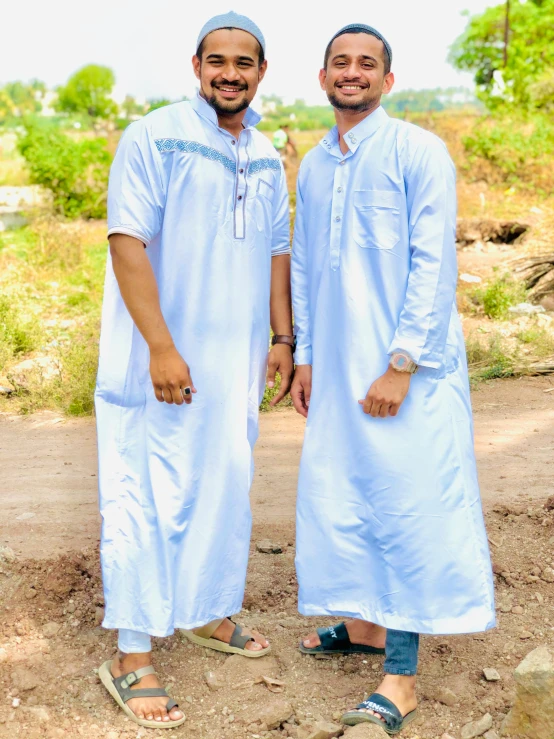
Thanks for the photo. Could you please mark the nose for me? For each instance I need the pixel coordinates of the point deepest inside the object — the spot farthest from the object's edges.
(352, 72)
(230, 73)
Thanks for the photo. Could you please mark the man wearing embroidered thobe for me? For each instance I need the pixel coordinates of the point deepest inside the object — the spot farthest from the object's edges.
(389, 524)
(183, 355)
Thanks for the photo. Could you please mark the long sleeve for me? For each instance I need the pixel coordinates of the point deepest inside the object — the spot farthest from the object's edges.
(300, 285)
(136, 193)
(431, 289)
(280, 241)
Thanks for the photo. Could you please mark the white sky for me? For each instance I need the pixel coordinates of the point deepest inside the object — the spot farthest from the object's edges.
(149, 44)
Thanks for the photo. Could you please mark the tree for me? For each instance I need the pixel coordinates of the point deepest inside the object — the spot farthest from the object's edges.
(509, 48)
(130, 107)
(88, 92)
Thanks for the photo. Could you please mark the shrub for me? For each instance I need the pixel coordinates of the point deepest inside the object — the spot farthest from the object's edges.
(499, 295)
(76, 172)
(489, 359)
(16, 335)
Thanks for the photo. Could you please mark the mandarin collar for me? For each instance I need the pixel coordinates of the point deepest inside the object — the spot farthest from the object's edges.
(363, 130)
(205, 110)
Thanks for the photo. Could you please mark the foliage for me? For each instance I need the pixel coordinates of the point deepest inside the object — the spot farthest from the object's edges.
(489, 359)
(299, 115)
(88, 92)
(423, 101)
(517, 150)
(530, 54)
(76, 171)
(17, 335)
(19, 99)
(499, 295)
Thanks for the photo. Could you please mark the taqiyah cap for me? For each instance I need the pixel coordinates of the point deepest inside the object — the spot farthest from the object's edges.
(232, 20)
(362, 28)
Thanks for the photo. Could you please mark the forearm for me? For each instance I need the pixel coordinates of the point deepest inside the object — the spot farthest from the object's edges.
(280, 302)
(139, 290)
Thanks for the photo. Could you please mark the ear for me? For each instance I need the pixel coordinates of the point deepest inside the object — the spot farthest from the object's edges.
(388, 83)
(322, 78)
(196, 64)
(262, 70)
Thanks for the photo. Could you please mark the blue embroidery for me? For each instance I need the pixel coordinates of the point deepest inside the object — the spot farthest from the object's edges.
(193, 147)
(258, 165)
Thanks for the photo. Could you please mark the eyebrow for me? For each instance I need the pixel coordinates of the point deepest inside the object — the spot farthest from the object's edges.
(362, 56)
(218, 57)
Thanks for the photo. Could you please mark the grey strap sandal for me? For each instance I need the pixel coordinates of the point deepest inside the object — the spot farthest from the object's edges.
(120, 690)
(237, 644)
(393, 721)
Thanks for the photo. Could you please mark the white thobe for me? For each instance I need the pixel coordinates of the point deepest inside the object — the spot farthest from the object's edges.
(389, 520)
(212, 209)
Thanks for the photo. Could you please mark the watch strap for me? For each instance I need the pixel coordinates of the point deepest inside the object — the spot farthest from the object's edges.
(284, 339)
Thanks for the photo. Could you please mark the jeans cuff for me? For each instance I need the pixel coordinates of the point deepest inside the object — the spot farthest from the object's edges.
(399, 672)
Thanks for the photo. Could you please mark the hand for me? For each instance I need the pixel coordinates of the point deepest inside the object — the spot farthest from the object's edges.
(170, 376)
(387, 394)
(302, 389)
(280, 360)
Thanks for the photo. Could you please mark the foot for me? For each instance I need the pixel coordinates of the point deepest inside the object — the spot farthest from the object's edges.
(360, 632)
(400, 690)
(224, 632)
(151, 709)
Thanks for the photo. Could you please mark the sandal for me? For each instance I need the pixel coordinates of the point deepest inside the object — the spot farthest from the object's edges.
(119, 689)
(335, 640)
(237, 645)
(393, 721)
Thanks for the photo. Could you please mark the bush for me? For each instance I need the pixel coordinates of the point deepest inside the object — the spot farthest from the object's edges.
(76, 172)
(16, 335)
(514, 150)
(489, 359)
(499, 295)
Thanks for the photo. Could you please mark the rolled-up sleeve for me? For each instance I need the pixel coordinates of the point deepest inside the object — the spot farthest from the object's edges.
(136, 194)
(280, 241)
(431, 289)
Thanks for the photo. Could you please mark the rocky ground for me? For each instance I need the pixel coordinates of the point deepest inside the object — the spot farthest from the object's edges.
(51, 604)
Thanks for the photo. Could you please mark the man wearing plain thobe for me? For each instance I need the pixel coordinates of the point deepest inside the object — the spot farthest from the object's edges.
(199, 267)
(390, 530)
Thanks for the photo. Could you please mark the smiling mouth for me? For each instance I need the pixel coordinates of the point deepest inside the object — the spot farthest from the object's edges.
(229, 90)
(352, 88)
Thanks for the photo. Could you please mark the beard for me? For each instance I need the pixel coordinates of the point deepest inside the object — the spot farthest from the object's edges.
(358, 106)
(227, 107)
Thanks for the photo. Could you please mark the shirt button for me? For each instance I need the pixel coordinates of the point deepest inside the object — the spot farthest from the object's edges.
(239, 197)
(241, 171)
(337, 218)
(339, 189)
(343, 162)
(352, 139)
(233, 142)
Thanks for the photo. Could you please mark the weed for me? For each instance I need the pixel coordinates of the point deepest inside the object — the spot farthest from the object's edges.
(499, 295)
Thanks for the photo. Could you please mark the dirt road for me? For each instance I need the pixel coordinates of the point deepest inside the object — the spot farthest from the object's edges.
(51, 595)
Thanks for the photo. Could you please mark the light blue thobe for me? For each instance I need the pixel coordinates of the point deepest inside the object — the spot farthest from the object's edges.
(174, 480)
(389, 520)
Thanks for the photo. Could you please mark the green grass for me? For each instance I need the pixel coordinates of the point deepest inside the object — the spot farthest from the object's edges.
(499, 295)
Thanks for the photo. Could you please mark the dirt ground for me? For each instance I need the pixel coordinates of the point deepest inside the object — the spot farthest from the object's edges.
(51, 596)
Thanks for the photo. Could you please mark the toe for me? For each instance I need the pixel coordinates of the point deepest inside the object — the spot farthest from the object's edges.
(175, 714)
(312, 641)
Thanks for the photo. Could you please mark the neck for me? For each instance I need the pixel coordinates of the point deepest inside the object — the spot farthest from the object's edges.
(348, 119)
(232, 122)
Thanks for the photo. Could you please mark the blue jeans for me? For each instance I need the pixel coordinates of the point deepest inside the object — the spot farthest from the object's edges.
(401, 653)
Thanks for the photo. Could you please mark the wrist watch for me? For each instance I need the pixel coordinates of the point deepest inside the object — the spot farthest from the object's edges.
(284, 339)
(402, 362)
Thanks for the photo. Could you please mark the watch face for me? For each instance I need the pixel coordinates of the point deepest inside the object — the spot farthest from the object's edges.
(400, 362)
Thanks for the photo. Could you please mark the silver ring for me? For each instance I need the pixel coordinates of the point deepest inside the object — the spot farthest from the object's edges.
(187, 391)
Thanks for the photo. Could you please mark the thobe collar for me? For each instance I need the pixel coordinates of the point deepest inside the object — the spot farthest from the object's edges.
(362, 131)
(205, 110)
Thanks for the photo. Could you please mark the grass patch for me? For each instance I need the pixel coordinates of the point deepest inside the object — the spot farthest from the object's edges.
(489, 358)
(498, 296)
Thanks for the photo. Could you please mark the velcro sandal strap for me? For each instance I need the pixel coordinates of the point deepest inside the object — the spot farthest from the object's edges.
(385, 708)
(124, 682)
(239, 641)
(146, 693)
(171, 704)
(334, 637)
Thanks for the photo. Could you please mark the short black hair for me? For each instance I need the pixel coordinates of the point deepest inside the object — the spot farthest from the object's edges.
(386, 57)
(200, 49)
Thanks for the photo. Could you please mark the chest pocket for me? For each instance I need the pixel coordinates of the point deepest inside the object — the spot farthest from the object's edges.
(377, 218)
(264, 205)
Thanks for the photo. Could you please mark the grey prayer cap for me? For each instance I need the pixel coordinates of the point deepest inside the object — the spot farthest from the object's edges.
(362, 28)
(232, 20)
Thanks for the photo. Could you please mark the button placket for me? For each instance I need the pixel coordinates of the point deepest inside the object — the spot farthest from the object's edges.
(241, 186)
(337, 212)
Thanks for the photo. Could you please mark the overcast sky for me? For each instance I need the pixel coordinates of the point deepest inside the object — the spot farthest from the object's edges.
(149, 44)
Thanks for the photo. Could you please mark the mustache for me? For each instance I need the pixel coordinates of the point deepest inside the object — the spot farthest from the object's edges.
(223, 83)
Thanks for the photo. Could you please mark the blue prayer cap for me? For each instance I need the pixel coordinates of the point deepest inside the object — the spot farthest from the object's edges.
(362, 28)
(232, 20)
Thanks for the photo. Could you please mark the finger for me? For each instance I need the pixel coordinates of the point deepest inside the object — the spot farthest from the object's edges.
(159, 394)
(394, 409)
(271, 370)
(284, 388)
(168, 398)
(374, 410)
(307, 394)
(384, 412)
(176, 394)
(297, 396)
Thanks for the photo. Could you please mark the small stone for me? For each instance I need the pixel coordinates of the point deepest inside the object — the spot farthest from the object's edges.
(539, 597)
(98, 615)
(272, 713)
(548, 574)
(188, 699)
(112, 735)
(319, 730)
(40, 713)
(365, 731)
(7, 555)
(213, 680)
(24, 679)
(491, 735)
(477, 728)
(447, 736)
(3, 655)
(526, 635)
(532, 714)
(518, 610)
(491, 675)
(267, 547)
(50, 629)
(16, 702)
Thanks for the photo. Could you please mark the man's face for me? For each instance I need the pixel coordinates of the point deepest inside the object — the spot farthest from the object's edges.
(355, 76)
(229, 71)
